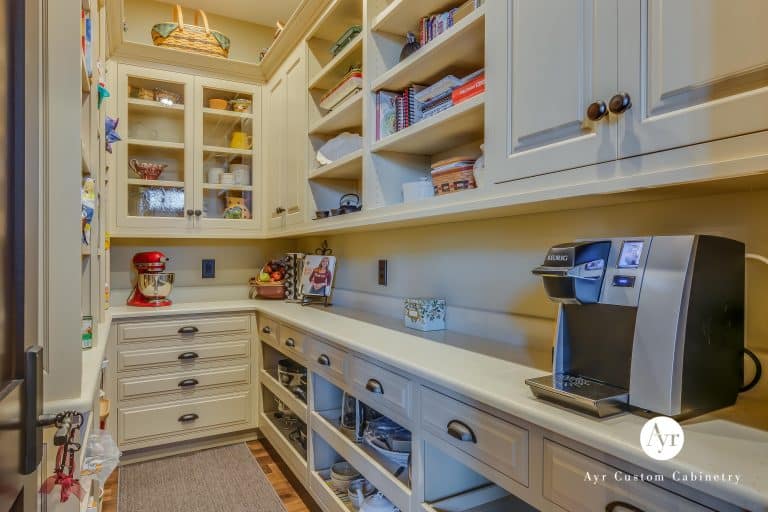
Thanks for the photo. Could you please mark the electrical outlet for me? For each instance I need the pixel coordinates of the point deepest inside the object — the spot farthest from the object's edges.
(209, 269)
(383, 272)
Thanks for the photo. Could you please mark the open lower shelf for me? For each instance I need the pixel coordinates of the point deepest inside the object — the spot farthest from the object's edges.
(298, 407)
(287, 449)
(156, 183)
(402, 15)
(461, 47)
(347, 167)
(332, 72)
(344, 117)
(338, 501)
(227, 151)
(376, 469)
(457, 125)
(152, 106)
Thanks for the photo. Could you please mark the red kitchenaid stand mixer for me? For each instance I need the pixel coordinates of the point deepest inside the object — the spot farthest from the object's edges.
(153, 284)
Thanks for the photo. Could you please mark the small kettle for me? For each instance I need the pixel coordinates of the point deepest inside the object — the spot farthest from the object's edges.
(349, 203)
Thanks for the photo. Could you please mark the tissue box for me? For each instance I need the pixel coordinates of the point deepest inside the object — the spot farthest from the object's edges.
(425, 314)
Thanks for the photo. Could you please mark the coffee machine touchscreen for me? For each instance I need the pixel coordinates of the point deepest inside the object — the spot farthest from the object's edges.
(630, 255)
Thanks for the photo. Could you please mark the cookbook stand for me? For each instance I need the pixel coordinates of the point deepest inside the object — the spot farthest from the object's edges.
(307, 300)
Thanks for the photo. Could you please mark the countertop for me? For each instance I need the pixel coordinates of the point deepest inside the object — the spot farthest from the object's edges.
(730, 441)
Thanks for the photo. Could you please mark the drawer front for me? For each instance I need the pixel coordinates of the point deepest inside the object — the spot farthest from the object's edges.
(491, 440)
(186, 328)
(292, 340)
(137, 423)
(565, 485)
(329, 360)
(269, 329)
(177, 382)
(379, 385)
(183, 357)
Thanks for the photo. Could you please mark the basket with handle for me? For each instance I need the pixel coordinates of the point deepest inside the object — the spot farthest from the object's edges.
(190, 38)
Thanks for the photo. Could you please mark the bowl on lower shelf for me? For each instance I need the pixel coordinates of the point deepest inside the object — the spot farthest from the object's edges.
(342, 475)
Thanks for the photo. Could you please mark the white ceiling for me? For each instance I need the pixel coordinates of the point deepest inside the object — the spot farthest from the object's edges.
(263, 12)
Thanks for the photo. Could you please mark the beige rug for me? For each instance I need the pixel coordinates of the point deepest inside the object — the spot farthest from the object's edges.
(222, 479)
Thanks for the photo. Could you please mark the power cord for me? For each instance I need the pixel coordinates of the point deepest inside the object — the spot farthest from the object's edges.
(748, 352)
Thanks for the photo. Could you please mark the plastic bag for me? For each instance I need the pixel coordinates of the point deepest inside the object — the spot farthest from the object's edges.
(101, 456)
(343, 144)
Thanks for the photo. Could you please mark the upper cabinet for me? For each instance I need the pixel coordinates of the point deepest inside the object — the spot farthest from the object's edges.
(188, 161)
(576, 83)
(285, 155)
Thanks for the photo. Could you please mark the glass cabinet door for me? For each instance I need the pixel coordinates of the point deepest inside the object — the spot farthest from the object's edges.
(155, 166)
(228, 131)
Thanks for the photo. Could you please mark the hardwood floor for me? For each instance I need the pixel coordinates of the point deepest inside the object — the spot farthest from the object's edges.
(292, 494)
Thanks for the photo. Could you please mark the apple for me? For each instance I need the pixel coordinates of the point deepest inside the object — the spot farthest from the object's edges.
(264, 277)
(276, 276)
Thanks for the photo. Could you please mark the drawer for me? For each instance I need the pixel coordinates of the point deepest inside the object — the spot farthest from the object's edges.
(137, 387)
(564, 484)
(379, 385)
(184, 356)
(329, 360)
(268, 329)
(137, 423)
(292, 340)
(186, 328)
(491, 440)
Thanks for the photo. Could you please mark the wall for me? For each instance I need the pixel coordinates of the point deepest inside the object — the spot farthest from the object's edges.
(483, 268)
(236, 262)
(246, 38)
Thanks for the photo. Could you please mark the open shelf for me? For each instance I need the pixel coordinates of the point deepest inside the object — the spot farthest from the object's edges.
(335, 70)
(366, 460)
(459, 124)
(347, 167)
(287, 450)
(155, 144)
(334, 21)
(337, 502)
(401, 16)
(217, 186)
(298, 407)
(459, 49)
(344, 117)
(227, 114)
(155, 183)
(152, 106)
(85, 80)
(227, 151)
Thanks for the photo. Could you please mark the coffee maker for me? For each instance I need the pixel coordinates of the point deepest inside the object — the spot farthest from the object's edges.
(651, 324)
(153, 283)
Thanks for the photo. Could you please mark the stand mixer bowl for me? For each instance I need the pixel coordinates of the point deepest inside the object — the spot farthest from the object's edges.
(156, 286)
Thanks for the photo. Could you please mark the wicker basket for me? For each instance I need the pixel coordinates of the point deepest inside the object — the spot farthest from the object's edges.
(190, 38)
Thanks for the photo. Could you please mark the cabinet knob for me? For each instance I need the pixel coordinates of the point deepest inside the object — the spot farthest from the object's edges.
(374, 387)
(198, 213)
(290, 342)
(190, 212)
(621, 505)
(266, 330)
(620, 103)
(324, 360)
(279, 210)
(597, 110)
(188, 417)
(459, 430)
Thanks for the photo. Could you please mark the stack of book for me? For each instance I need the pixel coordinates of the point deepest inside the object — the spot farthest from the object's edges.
(397, 111)
(345, 88)
(435, 24)
(453, 174)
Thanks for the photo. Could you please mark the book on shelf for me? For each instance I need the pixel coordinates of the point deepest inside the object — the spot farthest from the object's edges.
(386, 114)
(468, 90)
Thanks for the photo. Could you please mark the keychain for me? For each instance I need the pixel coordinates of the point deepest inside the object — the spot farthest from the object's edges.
(68, 425)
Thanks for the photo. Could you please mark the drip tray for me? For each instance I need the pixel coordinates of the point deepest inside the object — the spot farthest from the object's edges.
(580, 393)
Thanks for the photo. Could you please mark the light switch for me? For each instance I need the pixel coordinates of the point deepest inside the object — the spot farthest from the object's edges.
(209, 269)
(383, 272)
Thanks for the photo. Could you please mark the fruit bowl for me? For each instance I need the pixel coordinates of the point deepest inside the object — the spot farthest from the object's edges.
(270, 283)
(147, 170)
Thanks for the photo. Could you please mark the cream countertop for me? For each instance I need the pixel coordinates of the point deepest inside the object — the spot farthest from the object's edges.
(731, 441)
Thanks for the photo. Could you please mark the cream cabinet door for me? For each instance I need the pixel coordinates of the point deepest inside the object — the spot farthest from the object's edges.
(274, 150)
(696, 71)
(296, 115)
(547, 62)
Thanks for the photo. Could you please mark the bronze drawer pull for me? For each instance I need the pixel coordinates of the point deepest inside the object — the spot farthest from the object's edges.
(190, 329)
(290, 342)
(188, 356)
(461, 431)
(187, 383)
(612, 506)
(267, 330)
(324, 360)
(374, 387)
(184, 418)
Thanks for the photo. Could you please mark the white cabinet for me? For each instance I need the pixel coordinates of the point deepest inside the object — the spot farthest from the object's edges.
(561, 57)
(168, 118)
(696, 70)
(690, 71)
(285, 135)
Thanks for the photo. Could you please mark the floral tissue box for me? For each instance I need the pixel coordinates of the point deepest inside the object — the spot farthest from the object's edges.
(425, 314)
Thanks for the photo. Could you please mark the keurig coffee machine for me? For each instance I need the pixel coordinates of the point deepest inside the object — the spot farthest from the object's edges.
(652, 324)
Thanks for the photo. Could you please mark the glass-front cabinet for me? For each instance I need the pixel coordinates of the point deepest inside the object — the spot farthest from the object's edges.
(187, 158)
